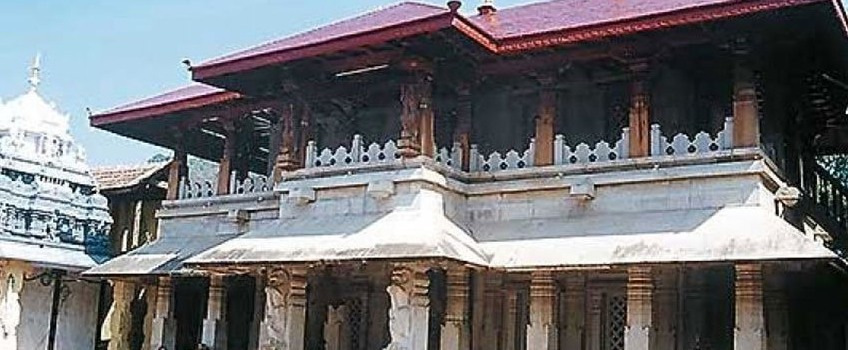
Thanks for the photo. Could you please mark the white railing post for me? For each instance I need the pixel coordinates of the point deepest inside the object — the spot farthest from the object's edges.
(624, 151)
(559, 154)
(656, 144)
(474, 159)
(456, 155)
(311, 154)
(181, 188)
(233, 183)
(727, 133)
(530, 155)
(356, 148)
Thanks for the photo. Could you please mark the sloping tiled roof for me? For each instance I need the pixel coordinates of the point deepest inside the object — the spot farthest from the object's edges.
(118, 177)
(191, 96)
(397, 14)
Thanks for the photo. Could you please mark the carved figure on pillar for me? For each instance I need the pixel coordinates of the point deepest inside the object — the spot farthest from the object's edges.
(416, 136)
(408, 314)
(178, 167)
(275, 324)
(287, 157)
(640, 120)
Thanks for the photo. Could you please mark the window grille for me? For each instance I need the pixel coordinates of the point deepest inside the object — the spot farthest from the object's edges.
(615, 321)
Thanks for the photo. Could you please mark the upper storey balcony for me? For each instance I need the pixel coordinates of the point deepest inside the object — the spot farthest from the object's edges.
(421, 86)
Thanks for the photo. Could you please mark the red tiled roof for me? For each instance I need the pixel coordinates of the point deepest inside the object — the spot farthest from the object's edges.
(394, 15)
(191, 96)
(119, 177)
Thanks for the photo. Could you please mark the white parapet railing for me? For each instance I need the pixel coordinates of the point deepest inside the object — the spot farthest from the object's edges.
(357, 154)
(251, 184)
(682, 145)
(451, 158)
(495, 162)
(198, 188)
(584, 154)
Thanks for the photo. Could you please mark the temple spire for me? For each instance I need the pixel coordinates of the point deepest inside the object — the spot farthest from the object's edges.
(35, 72)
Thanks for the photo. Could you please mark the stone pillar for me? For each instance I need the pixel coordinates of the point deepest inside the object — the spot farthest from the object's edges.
(510, 317)
(410, 308)
(416, 136)
(336, 328)
(258, 313)
(284, 323)
(640, 119)
(542, 330)
(665, 310)
(163, 332)
(120, 320)
(776, 310)
(750, 321)
(746, 116)
(286, 157)
(215, 325)
(545, 122)
(593, 331)
(225, 167)
(456, 330)
(575, 307)
(640, 287)
(462, 133)
(492, 310)
(178, 168)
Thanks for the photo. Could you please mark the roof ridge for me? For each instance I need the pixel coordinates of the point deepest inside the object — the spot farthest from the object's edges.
(323, 26)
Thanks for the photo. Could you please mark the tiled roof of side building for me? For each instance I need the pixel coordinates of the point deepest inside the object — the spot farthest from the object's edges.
(380, 18)
(125, 176)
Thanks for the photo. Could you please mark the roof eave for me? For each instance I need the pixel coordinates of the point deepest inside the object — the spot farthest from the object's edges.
(206, 72)
(107, 118)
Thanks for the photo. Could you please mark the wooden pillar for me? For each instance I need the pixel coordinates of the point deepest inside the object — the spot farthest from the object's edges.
(640, 288)
(456, 330)
(416, 136)
(215, 325)
(225, 167)
(179, 165)
(409, 312)
(640, 119)
(462, 133)
(746, 116)
(287, 159)
(284, 323)
(120, 319)
(164, 330)
(750, 321)
(542, 329)
(545, 122)
(574, 316)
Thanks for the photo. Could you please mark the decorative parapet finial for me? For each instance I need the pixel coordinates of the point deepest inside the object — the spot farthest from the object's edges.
(487, 7)
(35, 72)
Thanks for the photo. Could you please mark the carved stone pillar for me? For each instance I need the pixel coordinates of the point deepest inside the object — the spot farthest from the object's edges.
(665, 309)
(225, 167)
(456, 330)
(462, 133)
(215, 325)
(593, 318)
(509, 321)
(284, 322)
(750, 321)
(640, 119)
(163, 332)
(120, 320)
(177, 168)
(640, 287)
(416, 136)
(287, 159)
(542, 330)
(545, 120)
(746, 121)
(776, 309)
(574, 316)
(409, 312)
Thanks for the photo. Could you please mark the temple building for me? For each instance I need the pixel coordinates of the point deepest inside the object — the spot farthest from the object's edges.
(53, 225)
(569, 174)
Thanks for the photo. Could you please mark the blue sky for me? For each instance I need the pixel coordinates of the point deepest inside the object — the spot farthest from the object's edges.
(100, 54)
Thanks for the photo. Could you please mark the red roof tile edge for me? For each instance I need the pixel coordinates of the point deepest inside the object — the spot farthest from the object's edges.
(163, 107)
